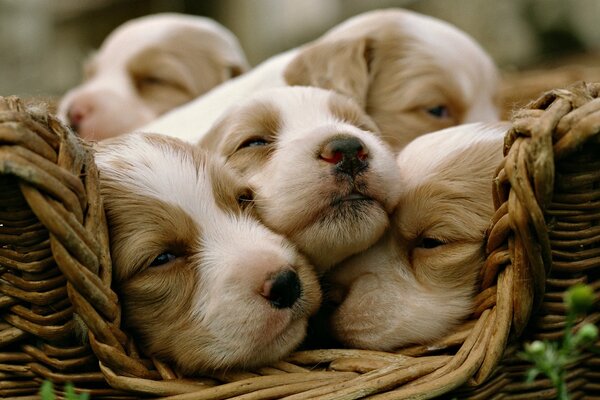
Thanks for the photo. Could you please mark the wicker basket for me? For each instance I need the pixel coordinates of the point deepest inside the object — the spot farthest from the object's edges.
(518, 88)
(54, 262)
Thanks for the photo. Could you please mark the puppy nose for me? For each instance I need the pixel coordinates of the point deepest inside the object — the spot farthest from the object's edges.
(347, 153)
(283, 290)
(77, 113)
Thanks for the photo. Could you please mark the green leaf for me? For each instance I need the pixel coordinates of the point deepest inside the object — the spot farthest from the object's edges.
(532, 373)
(71, 395)
(586, 335)
(579, 298)
(46, 391)
(536, 349)
(70, 392)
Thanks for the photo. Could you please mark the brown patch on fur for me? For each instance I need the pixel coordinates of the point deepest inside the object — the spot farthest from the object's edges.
(151, 298)
(227, 189)
(405, 84)
(342, 66)
(167, 81)
(135, 219)
(146, 292)
(261, 121)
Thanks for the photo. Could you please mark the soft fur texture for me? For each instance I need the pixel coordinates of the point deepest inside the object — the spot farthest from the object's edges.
(276, 140)
(193, 268)
(148, 66)
(418, 281)
(411, 73)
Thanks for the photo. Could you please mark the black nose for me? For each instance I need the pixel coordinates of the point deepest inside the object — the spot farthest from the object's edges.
(285, 290)
(347, 153)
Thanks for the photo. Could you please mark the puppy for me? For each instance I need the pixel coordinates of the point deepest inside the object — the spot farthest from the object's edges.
(418, 281)
(411, 73)
(203, 285)
(322, 178)
(146, 67)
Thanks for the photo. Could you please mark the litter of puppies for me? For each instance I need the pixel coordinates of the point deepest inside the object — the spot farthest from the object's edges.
(350, 194)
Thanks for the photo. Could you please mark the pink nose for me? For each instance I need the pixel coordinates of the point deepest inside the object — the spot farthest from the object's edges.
(78, 112)
(347, 153)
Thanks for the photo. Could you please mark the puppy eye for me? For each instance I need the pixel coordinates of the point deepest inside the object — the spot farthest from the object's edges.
(152, 81)
(440, 111)
(429, 243)
(245, 199)
(162, 259)
(254, 142)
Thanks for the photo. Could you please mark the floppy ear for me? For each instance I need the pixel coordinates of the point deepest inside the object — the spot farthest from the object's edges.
(340, 65)
(213, 138)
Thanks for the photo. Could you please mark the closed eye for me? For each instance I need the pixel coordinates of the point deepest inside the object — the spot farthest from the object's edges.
(429, 243)
(439, 111)
(254, 142)
(153, 81)
(245, 199)
(163, 259)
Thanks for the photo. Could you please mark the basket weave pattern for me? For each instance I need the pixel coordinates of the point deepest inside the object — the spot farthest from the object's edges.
(54, 257)
(544, 237)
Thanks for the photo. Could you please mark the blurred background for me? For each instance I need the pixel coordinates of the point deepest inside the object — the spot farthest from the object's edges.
(44, 42)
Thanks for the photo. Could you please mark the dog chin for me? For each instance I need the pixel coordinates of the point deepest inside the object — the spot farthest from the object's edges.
(259, 348)
(276, 345)
(346, 228)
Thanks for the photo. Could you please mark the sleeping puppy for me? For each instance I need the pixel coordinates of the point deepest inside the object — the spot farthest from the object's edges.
(146, 67)
(418, 281)
(203, 285)
(411, 73)
(322, 178)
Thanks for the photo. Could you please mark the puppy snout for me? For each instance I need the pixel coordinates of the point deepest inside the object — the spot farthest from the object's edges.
(78, 112)
(283, 289)
(348, 153)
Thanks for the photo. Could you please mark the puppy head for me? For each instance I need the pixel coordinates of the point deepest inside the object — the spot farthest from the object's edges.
(146, 67)
(322, 178)
(418, 281)
(202, 284)
(412, 73)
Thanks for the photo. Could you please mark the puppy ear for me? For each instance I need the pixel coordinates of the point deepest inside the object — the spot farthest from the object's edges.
(341, 65)
(213, 138)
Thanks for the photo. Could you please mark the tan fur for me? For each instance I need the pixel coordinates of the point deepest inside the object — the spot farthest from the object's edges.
(180, 68)
(402, 291)
(298, 194)
(147, 67)
(397, 68)
(203, 310)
